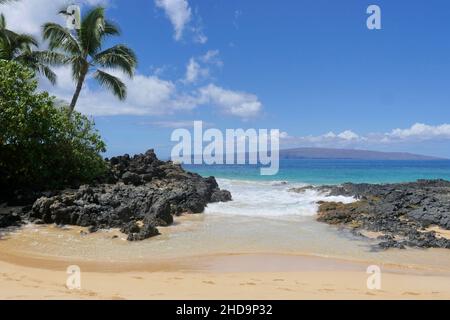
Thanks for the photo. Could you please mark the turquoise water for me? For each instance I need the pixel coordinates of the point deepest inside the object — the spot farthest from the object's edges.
(334, 171)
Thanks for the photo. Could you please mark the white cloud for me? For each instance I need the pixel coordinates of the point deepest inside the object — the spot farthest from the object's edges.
(416, 133)
(212, 57)
(179, 13)
(199, 36)
(330, 138)
(28, 16)
(194, 72)
(147, 95)
(151, 95)
(183, 18)
(421, 131)
(197, 29)
(241, 104)
(199, 68)
(348, 135)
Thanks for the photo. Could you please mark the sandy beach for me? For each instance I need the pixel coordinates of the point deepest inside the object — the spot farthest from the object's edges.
(345, 281)
(28, 275)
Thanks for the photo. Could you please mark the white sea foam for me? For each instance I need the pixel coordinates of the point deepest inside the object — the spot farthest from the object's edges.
(269, 199)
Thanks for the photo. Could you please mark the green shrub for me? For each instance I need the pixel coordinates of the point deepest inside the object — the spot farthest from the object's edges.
(40, 146)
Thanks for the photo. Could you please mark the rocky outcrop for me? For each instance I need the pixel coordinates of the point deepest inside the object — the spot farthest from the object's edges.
(137, 195)
(9, 217)
(402, 213)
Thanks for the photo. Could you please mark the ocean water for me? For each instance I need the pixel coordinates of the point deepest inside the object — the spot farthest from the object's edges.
(319, 172)
(272, 196)
(269, 199)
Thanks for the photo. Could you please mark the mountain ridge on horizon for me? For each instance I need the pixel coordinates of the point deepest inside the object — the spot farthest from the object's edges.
(314, 153)
(350, 154)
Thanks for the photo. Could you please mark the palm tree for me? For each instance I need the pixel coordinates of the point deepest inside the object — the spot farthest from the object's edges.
(21, 48)
(11, 43)
(83, 50)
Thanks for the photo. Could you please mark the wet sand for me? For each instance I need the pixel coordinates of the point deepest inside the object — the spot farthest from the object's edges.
(28, 275)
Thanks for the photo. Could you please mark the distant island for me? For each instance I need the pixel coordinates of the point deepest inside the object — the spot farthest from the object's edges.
(345, 154)
(350, 154)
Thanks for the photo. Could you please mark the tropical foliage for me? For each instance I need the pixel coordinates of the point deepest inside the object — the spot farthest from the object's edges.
(40, 147)
(23, 49)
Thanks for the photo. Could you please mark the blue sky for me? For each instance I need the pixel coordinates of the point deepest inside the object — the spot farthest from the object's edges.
(309, 68)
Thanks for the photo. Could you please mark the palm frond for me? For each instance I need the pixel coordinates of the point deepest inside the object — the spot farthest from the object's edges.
(79, 66)
(51, 57)
(120, 57)
(13, 44)
(5, 51)
(25, 40)
(47, 72)
(60, 38)
(2, 21)
(112, 83)
(92, 29)
(37, 61)
(20, 48)
(111, 29)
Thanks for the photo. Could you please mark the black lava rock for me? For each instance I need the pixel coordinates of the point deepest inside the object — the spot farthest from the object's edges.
(403, 212)
(137, 195)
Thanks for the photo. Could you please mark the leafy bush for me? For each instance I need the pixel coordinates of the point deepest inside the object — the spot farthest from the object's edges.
(41, 147)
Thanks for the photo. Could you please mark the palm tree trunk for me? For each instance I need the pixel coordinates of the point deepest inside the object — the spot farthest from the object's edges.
(77, 92)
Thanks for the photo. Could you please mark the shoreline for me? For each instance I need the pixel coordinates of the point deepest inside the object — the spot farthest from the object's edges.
(217, 275)
(211, 263)
(26, 255)
(317, 278)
